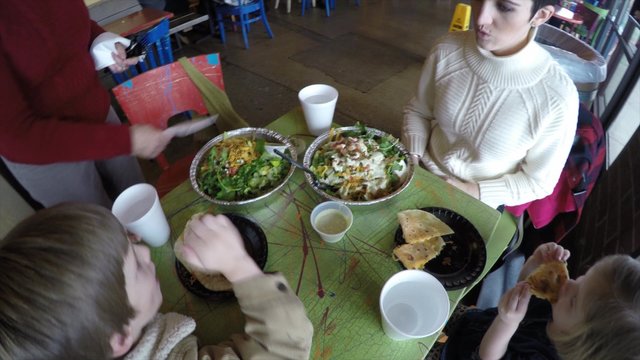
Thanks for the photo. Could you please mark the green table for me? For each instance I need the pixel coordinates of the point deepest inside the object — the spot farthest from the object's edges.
(338, 283)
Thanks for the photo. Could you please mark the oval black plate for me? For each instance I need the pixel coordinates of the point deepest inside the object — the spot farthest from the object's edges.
(463, 258)
(255, 242)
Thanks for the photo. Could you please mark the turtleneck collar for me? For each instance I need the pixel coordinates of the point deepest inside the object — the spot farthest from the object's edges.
(521, 69)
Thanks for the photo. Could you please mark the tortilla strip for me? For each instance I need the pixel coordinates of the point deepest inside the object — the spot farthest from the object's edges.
(415, 256)
(547, 280)
(419, 226)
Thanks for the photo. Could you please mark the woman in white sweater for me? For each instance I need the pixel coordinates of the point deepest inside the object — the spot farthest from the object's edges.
(494, 114)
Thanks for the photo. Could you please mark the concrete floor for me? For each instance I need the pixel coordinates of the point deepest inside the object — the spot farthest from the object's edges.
(371, 53)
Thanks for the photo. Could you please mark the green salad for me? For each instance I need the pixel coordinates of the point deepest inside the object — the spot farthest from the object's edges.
(359, 166)
(239, 168)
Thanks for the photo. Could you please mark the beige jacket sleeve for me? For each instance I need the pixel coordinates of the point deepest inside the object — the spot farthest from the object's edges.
(418, 113)
(277, 326)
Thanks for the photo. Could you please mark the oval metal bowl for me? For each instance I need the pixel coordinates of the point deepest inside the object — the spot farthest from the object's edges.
(323, 138)
(255, 133)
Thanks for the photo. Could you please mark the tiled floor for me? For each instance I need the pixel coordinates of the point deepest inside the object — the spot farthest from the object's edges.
(372, 54)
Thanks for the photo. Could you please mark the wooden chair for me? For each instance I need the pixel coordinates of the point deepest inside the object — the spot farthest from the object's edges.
(242, 15)
(156, 95)
(158, 52)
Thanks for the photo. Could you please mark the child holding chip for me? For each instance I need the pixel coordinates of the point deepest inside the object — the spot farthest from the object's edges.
(75, 287)
(594, 317)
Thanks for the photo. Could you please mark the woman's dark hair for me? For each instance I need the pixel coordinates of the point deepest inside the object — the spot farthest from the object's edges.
(538, 4)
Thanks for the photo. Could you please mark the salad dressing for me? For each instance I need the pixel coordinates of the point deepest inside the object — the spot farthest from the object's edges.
(331, 221)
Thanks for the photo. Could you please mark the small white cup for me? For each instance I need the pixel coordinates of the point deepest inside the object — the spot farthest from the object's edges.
(138, 209)
(331, 220)
(318, 105)
(413, 304)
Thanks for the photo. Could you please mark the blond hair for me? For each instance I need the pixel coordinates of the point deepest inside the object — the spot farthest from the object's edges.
(63, 287)
(611, 329)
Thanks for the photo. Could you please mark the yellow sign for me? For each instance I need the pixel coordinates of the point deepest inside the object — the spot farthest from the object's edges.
(461, 18)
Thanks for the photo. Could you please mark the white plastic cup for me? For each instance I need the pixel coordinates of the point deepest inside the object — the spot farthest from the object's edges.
(413, 304)
(138, 209)
(331, 220)
(318, 103)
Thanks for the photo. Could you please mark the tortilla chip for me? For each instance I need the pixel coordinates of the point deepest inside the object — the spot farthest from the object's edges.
(416, 255)
(547, 280)
(419, 226)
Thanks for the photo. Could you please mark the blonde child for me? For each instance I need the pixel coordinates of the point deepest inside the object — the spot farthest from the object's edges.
(597, 316)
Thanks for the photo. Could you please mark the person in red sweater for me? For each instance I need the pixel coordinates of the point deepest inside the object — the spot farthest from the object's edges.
(59, 136)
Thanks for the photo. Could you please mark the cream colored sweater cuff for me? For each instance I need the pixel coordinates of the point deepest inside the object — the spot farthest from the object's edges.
(415, 144)
(492, 192)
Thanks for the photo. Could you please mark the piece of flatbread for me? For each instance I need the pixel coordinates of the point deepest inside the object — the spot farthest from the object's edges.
(416, 255)
(212, 281)
(547, 280)
(419, 226)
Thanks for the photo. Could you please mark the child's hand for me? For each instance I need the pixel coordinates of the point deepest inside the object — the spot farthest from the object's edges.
(549, 252)
(513, 304)
(212, 243)
(511, 310)
(543, 253)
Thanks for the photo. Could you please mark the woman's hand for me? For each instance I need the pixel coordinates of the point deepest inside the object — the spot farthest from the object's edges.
(120, 58)
(213, 243)
(147, 141)
(544, 253)
(470, 188)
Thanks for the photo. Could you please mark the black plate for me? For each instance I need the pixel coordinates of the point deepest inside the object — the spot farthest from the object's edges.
(255, 242)
(464, 255)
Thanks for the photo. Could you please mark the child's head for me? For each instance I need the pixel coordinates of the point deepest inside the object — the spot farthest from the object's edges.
(597, 316)
(70, 286)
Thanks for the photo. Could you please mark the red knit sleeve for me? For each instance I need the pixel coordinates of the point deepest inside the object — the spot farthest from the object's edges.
(31, 139)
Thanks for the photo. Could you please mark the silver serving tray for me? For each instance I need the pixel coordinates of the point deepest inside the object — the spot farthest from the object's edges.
(256, 133)
(323, 138)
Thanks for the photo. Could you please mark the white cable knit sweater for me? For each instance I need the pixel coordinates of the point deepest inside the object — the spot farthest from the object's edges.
(506, 123)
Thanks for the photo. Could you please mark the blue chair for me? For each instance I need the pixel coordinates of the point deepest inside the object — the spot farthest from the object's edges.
(329, 4)
(158, 52)
(247, 12)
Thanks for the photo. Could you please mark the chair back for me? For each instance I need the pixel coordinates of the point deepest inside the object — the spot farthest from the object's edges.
(593, 18)
(242, 15)
(158, 52)
(156, 95)
(558, 213)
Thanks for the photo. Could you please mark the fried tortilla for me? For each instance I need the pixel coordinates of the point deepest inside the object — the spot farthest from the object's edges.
(547, 280)
(212, 281)
(416, 255)
(419, 226)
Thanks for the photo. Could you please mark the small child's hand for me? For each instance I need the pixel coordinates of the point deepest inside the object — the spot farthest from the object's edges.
(511, 310)
(213, 243)
(544, 253)
(513, 304)
(549, 252)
